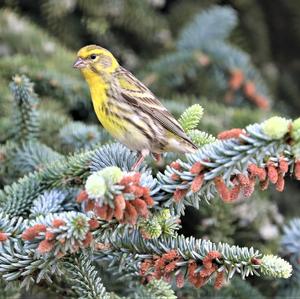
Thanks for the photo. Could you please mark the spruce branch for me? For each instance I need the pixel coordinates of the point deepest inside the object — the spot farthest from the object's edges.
(33, 156)
(7, 154)
(203, 49)
(200, 138)
(18, 159)
(24, 253)
(26, 115)
(155, 289)
(16, 199)
(206, 28)
(291, 240)
(19, 263)
(111, 193)
(172, 68)
(53, 234)
(70, 171)
(230, 166)
(56, 235)
(231, 259)
(191, 117)
(220, 160)
(83, 277)
(11, 227)
(290, 245)
(53, 201)
(290, 292)
(243, 155)
(9, 290)
(76, 136)
(114, 154)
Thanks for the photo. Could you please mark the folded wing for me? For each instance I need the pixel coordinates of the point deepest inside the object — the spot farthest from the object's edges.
(136, 94)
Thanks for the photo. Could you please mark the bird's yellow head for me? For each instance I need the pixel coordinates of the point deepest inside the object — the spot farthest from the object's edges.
(95, 59)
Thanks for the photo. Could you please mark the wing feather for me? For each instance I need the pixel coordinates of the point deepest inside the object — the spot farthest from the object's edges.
(135, 93)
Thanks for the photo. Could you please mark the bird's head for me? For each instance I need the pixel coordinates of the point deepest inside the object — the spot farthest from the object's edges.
(95, 59)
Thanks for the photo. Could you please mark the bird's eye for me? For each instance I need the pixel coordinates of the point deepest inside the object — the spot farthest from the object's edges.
(93, 56)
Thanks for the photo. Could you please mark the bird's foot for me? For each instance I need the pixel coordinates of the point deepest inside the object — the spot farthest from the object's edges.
(159, 159)
(141, 157)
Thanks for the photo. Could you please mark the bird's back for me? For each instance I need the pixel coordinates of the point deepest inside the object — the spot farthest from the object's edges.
(155, 121)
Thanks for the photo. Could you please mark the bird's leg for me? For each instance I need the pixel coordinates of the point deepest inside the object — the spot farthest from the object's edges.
(144, 153)
(157, 157)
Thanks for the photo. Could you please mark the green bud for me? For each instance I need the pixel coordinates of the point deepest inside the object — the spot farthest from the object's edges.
(150, 228)
(274, 266)
(111, 174)
(190, 118)
(169, 224)
(200, 138)
(163, 215)
(276, 127)
(295, 132)
(80, 225)
(95, 185)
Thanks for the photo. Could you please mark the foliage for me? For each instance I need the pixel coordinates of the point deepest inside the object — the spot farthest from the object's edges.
(202, 48)
(55, 228)
(77, 222)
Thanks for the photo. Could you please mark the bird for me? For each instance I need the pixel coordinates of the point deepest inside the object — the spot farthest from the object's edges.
(127, 109)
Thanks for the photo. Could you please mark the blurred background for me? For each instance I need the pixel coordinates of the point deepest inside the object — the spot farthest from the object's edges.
(239, 59)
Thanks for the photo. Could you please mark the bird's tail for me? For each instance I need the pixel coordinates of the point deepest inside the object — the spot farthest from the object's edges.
(189, 146)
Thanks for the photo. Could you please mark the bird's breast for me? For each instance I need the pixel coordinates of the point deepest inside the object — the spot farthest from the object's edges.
(99, 90)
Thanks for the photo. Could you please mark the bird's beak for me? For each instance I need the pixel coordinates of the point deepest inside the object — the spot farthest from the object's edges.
(79, 63)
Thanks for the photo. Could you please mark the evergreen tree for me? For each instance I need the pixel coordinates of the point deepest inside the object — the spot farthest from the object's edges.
(76, 222)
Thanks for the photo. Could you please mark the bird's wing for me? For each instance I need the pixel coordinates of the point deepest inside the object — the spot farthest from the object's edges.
(136, 94)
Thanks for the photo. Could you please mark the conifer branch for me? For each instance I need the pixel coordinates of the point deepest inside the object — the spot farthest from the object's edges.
(231, 166)
(77, 220)
(204, 48)
(16, 199)
(76, 136)
(49, 237)
(155, 289)
(53, 201)
(291, 246)
(26, 115)
(33, 156)
(84, 278)
(190, 252)
(20, 263)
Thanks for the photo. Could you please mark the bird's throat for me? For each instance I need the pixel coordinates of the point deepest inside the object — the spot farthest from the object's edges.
(98, 87)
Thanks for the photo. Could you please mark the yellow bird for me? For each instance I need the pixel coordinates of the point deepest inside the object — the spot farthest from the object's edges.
(127, 109)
